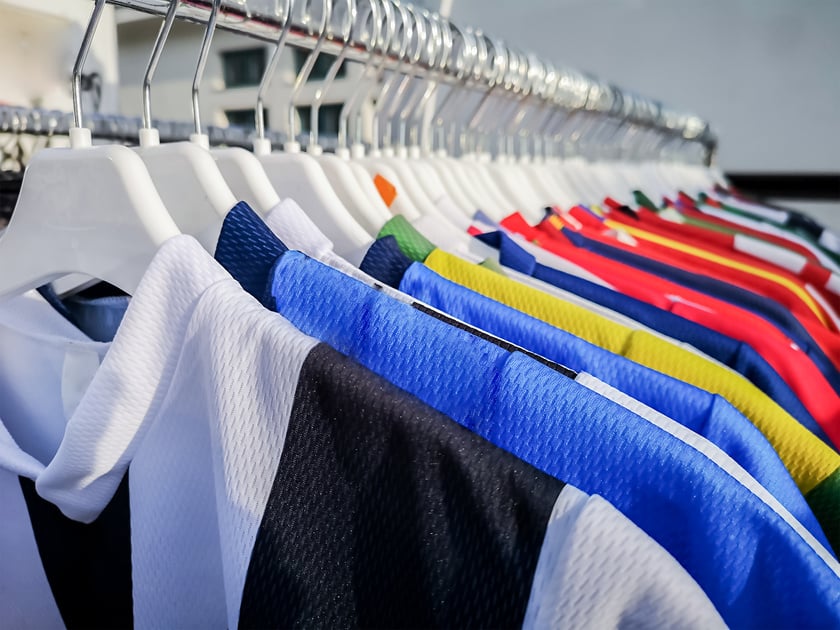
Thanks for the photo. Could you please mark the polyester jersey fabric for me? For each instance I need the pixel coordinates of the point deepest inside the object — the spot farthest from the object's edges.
(736, 354)
(236, 424)
(704, 413)
(820, 344)
(776, 283)
(730, 319)
(548, 419)
(56, 572)
(708, 415)
(812, 386)
(797, 446)
(770, 256)
(814, 466)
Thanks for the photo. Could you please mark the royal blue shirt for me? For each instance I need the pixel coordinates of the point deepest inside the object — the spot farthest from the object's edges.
(704, 413)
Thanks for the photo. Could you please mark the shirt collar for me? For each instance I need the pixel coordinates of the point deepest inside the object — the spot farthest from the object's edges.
(248, 249)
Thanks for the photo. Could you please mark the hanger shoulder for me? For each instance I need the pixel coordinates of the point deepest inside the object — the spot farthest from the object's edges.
(358, 195)
(192, 187)
(246, 177)
(92, 211)
(298, 176)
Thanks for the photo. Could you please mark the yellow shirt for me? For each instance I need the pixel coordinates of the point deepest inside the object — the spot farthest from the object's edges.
(806, 457)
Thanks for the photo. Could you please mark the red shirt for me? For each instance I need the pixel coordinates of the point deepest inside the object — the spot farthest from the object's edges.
(699, 264)
(791, 363)
(811, 273)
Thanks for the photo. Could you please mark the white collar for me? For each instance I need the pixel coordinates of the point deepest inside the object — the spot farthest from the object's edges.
(115, 396)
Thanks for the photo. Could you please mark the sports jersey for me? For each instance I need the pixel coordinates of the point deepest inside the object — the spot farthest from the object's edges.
(753, 244)
(544, 417)
(707, 415)
(810, 461)
(228, 456)
(800, 371)
(777, 284)
(790, 219)
(713, 219)
(477, 252)
(789, 279)
(819, 242)
(722, 348)
(819, 279)
(56, 572)
(694, 408)
(822, 345)
(736, 354)
(689, 214)
(786, 436)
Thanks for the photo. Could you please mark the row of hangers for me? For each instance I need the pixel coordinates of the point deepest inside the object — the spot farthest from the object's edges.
(103, 211)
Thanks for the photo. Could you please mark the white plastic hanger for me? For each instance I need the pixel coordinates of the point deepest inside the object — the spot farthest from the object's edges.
(370, 214)
(437, 158)
(542, 117)
(401, 102)
(298, 176)
(504, 171)
(497, 197)
(380, 43)
(184, 173)
(412, 119)
(88, 210)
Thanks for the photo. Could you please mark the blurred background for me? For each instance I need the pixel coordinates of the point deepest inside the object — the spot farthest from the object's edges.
(764, 72)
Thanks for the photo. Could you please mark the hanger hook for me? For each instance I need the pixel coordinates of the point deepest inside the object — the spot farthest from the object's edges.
(81, 58)
(268, 74)
(407, 70)
(157, 51)
(309, 64)
(463, 62)
(345, 32)
(404, 38)
(383, 36)
(202, 62)
(440, 49)
(491, 68)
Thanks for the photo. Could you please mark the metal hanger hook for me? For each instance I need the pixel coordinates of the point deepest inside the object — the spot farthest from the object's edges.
(345, 33)
(271, 68)
(309, 64)
(384, 35)
(157, 51)
(81, 58)
(202, 62)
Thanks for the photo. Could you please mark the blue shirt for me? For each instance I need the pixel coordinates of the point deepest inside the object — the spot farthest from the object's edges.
(733, 353)
(704, 413)
(752, 565)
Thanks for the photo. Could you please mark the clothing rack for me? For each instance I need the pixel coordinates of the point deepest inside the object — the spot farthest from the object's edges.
(44, 122)
(572, 90)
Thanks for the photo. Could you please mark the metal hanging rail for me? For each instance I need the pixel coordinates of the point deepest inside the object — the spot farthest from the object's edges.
(603, 99)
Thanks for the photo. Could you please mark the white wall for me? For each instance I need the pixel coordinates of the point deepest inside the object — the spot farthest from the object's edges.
(766, 73)
(39, 40)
